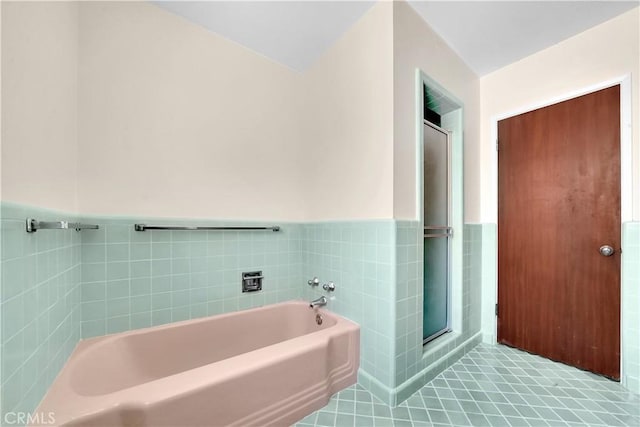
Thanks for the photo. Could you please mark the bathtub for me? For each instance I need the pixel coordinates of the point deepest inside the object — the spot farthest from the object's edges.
(271, 365)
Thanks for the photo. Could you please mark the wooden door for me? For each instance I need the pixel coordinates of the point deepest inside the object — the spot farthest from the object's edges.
(558, 203)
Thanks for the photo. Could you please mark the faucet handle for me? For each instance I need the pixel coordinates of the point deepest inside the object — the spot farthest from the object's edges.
(329, 287)
(314, 282)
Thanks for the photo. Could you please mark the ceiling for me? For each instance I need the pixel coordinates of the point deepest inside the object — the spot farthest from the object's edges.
(293, 33)
(487, 35)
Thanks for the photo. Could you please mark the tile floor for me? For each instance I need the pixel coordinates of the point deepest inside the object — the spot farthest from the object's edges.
(492, 386)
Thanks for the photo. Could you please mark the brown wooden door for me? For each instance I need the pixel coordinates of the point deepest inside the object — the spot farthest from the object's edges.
(558, 202)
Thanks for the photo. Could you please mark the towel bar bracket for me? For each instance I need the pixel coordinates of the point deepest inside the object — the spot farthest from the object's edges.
(33, 225)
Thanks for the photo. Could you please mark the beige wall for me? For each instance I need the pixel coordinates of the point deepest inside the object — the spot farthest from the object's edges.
(39, 100)
(416, 45)
(349, 123)
(600, 54)
(1, 138)
(174, 120)
(178, 121)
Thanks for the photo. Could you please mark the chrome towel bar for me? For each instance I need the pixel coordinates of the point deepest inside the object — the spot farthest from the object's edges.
(34, 225)
(144, 227)
(442, 231)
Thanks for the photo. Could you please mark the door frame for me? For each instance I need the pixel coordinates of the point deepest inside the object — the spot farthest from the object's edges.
(447, 134)
(453, 123)
(490, 281)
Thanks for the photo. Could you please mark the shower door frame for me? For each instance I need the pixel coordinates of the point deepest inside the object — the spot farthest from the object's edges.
(454, 123)
(448, 327)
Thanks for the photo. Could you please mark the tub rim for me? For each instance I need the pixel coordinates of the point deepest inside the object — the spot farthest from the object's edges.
(183, 382)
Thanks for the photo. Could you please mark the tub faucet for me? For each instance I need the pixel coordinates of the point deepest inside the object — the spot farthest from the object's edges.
(318, 302)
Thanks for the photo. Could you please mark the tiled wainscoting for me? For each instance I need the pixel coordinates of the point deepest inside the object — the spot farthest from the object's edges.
(58, 286)
(415, 364)
(378, 271)
(134, 279)
(359, 257)
(630, 326)
(39, 305)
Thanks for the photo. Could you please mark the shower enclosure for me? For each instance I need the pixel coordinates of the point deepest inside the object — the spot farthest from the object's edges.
(437, 233)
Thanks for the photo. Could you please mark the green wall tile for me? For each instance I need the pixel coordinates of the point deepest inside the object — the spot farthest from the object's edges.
(117, 252)
(160, 317)
(140, 320)
(117, 289)
(94, 310)
(118, 307)
(140, 269)
(117, 324)
(117, 233)
(140, 304)
(161, 301)
(93, 272)
(93, 328)
(140, 286)
(160, 284)
(117, 270)
(120, 279)
(94, 291)
(40, 288)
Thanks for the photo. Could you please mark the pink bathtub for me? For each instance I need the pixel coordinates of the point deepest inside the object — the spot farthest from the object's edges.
(271, 365)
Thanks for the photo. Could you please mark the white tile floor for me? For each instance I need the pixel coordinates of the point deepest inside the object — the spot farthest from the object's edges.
(493, 386)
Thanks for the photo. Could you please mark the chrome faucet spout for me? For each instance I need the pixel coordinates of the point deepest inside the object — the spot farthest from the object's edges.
(322, 301)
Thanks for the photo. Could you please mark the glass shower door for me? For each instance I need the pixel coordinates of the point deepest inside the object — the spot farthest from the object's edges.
(437, 233)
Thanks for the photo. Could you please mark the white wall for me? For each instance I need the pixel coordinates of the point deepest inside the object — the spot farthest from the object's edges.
(605, 52)
(348, 116)
(177, 121)
(39, 100)
(416, 45)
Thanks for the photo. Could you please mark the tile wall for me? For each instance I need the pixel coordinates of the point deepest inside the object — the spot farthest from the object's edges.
(409, 300)
(133, 279)
(489, 255)
(376, 267)
(115, 279)
(415, 364)
(359, 257)
(631, 305)
(39, 304)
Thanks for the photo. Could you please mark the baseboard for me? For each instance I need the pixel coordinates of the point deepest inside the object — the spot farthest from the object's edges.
(416, 382)
(375, 387)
